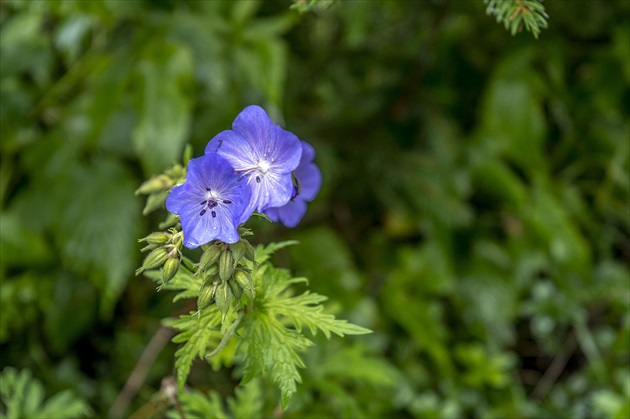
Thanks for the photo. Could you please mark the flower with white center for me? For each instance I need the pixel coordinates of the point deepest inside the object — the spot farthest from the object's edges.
(263, 154)
(211, 202)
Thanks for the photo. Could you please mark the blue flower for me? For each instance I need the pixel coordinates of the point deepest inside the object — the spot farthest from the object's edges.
(262, 153)
(211, 202)
(309, 180)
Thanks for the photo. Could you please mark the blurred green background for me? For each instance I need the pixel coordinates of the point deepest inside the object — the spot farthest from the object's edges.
(474, 211)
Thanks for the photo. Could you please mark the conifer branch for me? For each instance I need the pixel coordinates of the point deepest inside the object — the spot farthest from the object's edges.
(518, 13)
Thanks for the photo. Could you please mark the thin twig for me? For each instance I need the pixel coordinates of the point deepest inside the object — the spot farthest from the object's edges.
(555, 369)
(169, 388)
(161, 337)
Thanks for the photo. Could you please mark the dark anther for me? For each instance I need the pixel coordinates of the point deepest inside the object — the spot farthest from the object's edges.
(227, 201)
(203, 211)
(203, 202)
(214, 214)
(208, 189)
(212, 203)
(258, 179)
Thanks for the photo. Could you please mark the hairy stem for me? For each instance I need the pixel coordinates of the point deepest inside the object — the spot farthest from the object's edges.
(228, 333)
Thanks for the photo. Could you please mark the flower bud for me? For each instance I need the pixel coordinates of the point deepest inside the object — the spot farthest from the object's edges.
(176, 171)
(223, 298)
(155, 201)
(210, 256)
(157, 183)
(188, 154)
(243, 279)
(207, 294)
(238, 250)
(149, 247)
(154, 260)
(237, 291)
(226, 265)
(249, 251)
(170, 269)
(171, 220)
(159, 238)
(210, 273)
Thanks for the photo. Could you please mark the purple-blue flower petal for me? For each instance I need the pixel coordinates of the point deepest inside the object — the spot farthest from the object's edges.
(199, 230)
(308, 153)
(262, 153)
(287, 151)
(290, 214)
(211, 202)
(256, 127)
(310, 180)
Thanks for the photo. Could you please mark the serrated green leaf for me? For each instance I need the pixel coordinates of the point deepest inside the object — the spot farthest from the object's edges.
(271, 348)
(248, 402)
(23, 397)
(305, 310)
(64, 404)
(196, 404)
(184, 281)
(262, 253)
(199, 330)
(272, 334)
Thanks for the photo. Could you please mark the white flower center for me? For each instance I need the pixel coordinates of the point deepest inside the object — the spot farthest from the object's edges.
(213, 195)
(263, 166)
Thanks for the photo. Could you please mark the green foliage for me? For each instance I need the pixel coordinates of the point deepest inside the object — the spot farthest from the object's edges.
(24, 397)
(272, 338)
(304, 6)
(164, 108)
(516, 13)
(273, 349)
(197, 332)
(270, 333)
(247, 403)
(473, 212)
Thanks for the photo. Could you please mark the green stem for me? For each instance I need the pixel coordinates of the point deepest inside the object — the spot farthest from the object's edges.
(228, 333)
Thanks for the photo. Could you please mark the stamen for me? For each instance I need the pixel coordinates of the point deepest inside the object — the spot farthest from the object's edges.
(208, 189)
(214, 214)
(203, 202)
(246, 169)
(227, 201)
(203, 211)
(258, 179)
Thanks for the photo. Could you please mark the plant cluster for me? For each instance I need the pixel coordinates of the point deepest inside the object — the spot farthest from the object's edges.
(257, 166)
(473, 209)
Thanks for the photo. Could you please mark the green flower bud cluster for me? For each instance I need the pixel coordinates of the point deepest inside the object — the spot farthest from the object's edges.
(165, 253)
(224, 274)
(158, 187)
